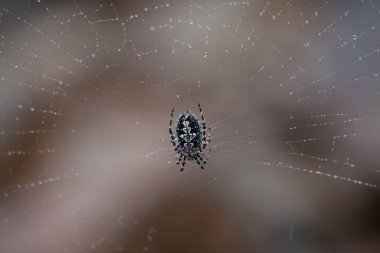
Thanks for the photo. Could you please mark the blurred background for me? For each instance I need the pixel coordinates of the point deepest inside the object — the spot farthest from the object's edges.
(290, 90)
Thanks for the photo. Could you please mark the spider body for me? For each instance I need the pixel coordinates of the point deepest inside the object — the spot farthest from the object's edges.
(189, 133)
(189, 138)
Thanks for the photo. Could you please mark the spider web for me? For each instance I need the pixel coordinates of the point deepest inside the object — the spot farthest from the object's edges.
(290, 90)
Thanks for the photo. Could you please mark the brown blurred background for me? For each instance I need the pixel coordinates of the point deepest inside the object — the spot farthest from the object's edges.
(290, 90)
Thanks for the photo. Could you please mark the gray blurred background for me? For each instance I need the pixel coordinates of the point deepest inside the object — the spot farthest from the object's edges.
(291, 92)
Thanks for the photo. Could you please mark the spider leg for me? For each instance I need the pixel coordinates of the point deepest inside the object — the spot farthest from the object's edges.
(183, 163)
(204, 139)
(209, 136)
(202, 161)
(171, 131)
(199, 163)
(179, 159)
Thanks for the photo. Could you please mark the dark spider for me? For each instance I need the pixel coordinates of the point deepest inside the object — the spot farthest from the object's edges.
(189, 139)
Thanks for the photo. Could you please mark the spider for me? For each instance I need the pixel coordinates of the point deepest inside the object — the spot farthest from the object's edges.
(189, 139)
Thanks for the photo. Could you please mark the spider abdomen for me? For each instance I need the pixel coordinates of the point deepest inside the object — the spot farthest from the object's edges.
(189, 132)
